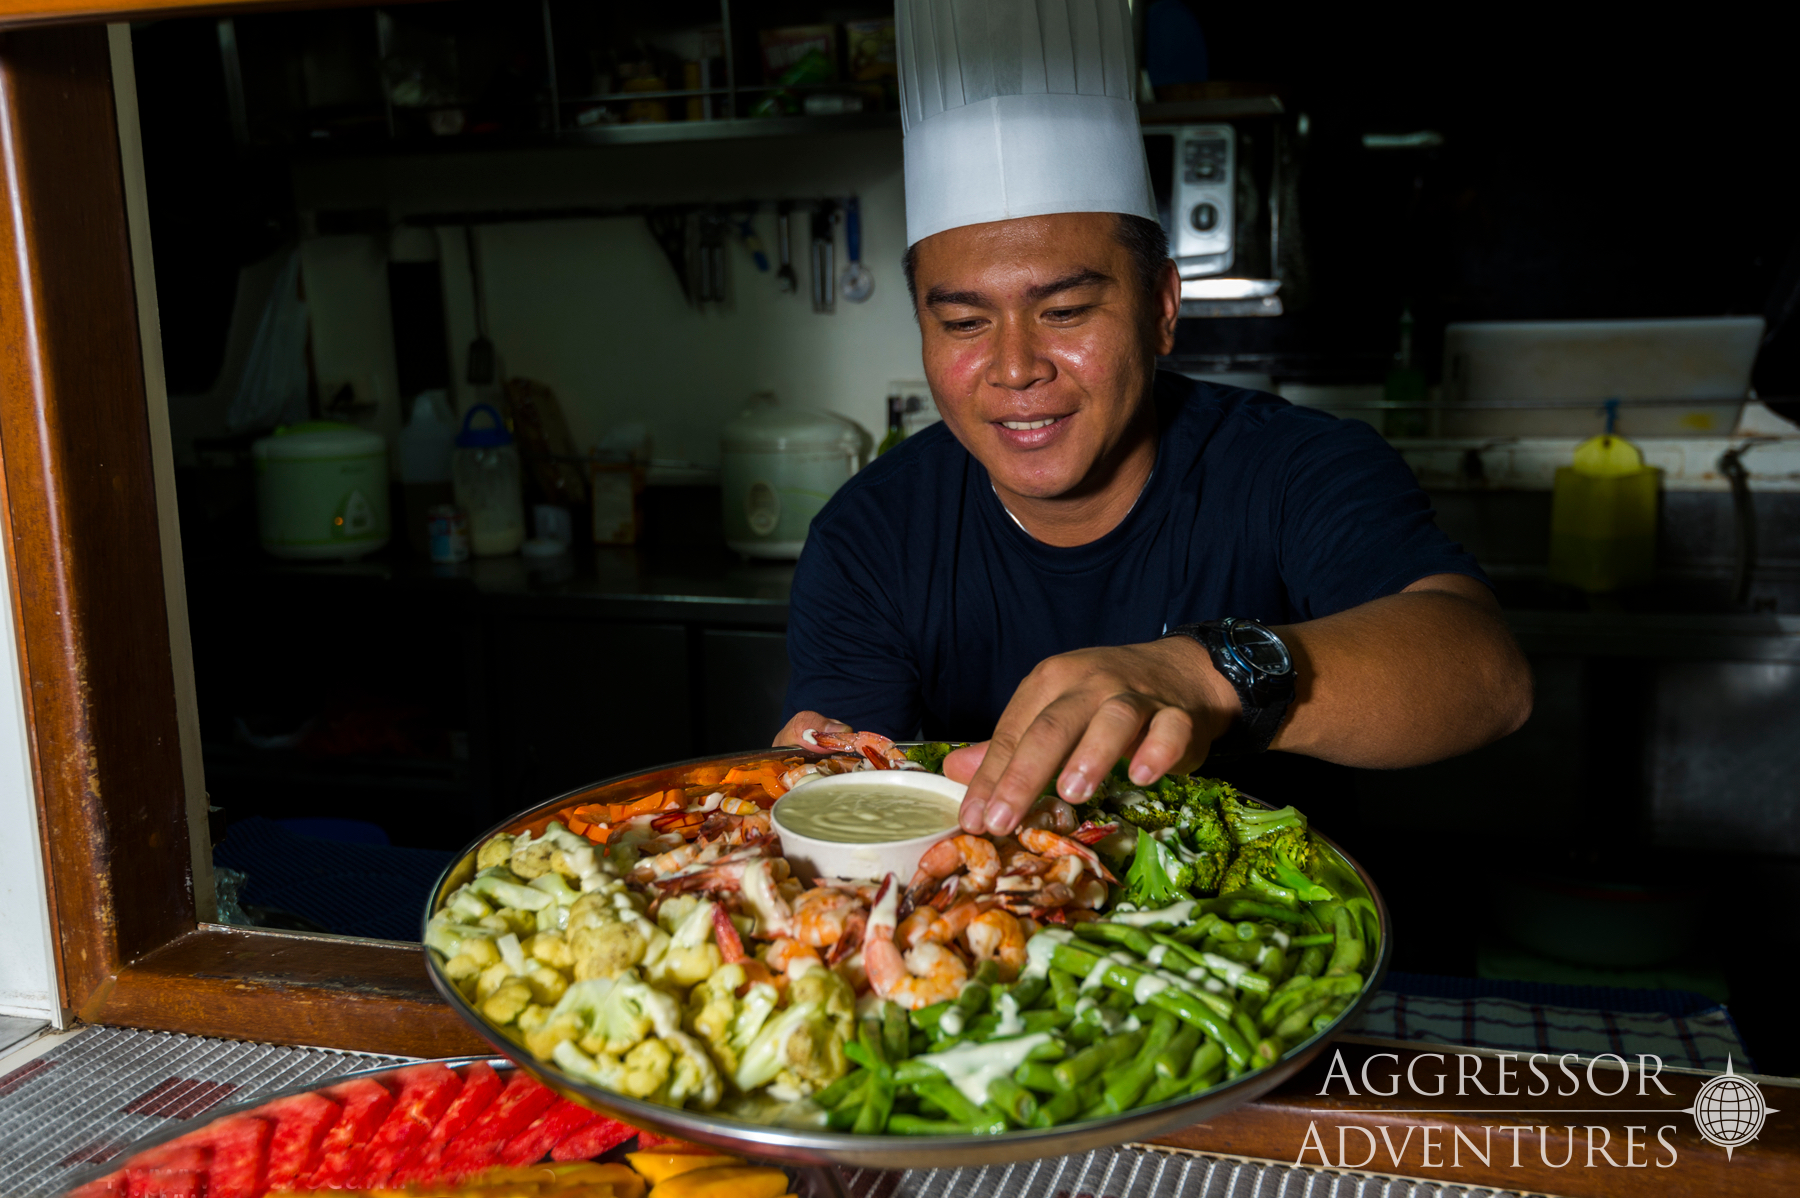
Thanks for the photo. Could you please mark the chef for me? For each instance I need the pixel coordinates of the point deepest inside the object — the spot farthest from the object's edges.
(1090, 560)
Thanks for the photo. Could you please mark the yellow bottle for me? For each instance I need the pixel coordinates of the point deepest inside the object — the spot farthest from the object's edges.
(1603, 517)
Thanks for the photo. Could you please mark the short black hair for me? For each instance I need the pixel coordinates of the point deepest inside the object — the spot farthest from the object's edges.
(1142, 238)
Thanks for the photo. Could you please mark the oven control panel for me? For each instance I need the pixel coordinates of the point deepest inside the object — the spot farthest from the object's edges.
(1202, 187)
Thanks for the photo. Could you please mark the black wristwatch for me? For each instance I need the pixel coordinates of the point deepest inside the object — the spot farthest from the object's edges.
(1258, 666)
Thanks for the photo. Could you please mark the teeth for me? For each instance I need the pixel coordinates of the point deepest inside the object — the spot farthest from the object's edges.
(1022, 426)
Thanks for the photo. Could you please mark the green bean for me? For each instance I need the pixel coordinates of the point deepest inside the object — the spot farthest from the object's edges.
(1199, 930)
(1184, 1005)
(895, 1035)
(1247, 930)
(1126, 1085)
(1324, 1018)
(928, 1017)
(844, 1118)
(908, 1073)
(1184, 952)
(1232, 950)
(1163, 1089)
(959, 1108)
(878, 1104)
(1018, 1103)
(1124, 935)
(1065, 989)
(1072, 1071)
(1266, 1053)
(862, 1056)
(1037, 1075)
(1347, 952)
(842, 1088)
(868, 1034)
(1118, 1000)
(1272, 962)
(986, 1026)
(1312, 961)
(1251, 908)
(1205, 1081)
(916, 1125)
(917, 1042)
(1173, 1060)
(1310, 939)
(1299, 1020)
(1026, 992)
(1081, 1033)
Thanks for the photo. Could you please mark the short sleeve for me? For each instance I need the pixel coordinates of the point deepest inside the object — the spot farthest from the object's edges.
(848, 657)
(1352, 523)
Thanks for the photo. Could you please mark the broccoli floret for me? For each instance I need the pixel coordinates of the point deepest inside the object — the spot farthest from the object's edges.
(931, 754)
(1274, 852)
(1154, 879)
(1202, 868)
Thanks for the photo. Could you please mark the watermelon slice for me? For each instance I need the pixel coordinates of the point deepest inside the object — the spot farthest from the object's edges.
(426, 1092)
(300, 1125)
(240, 1150)
(481, 1085)
(559, 1121)
(649, 1141)
(523, 1100)
(172, 1171)
(586, 1143)
(366, 1103)
(110, 1186)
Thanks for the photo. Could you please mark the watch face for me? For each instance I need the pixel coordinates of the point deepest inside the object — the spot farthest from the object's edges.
(1260, 648)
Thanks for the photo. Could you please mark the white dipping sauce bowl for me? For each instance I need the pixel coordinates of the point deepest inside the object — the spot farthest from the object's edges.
(813, 858)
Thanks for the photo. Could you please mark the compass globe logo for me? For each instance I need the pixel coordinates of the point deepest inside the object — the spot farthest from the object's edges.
(1729, 1110)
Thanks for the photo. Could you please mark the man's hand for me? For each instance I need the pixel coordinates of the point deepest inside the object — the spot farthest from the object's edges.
(792, 732)
(1161, 704)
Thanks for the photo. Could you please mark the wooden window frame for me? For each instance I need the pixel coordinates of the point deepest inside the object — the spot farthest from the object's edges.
(78, 507)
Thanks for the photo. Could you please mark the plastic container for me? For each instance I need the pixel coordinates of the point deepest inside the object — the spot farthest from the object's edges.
(1603, 517)
(485, 467)
(428, 439)
(321, 491)
(777, 468)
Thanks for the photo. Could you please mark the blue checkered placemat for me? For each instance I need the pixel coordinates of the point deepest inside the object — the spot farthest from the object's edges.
(352, 889)
(1681, 1027)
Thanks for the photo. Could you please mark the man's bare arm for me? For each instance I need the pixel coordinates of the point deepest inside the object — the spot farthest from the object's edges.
(1403, 680)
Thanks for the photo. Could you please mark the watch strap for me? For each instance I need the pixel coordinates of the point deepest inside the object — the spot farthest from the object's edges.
(1263, 700)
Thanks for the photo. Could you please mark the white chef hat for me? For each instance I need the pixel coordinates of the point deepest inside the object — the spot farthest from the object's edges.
(1018, 108)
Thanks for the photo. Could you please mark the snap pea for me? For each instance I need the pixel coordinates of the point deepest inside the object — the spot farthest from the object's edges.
(868, 1034)
(1312, 961)
(1018, 1103)
(862, 1056)
(1072, 1071)
(918, 1125)
(895, 1035)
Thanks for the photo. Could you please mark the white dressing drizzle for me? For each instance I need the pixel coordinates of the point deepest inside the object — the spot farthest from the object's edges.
(1011, 1022)
(1041, 948)
(1148, 986)
(951, 1024)
(1156, 954)
(1174, 915)
(971, 1068)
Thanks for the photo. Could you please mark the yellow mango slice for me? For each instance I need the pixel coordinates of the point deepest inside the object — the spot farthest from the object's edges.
(728, 1181)
(658, 1167)
(570, 1176)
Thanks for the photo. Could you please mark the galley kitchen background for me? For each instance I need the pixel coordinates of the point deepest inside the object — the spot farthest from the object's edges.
(557, 209)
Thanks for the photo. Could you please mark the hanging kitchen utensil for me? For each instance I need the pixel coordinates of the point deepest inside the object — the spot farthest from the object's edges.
(746, 231)
(710, 285)
(824, 275)
(784, 278)
(858, 282)
(481, 350)
(670, 228)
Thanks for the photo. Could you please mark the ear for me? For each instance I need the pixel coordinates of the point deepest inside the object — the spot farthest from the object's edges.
(1167, 308)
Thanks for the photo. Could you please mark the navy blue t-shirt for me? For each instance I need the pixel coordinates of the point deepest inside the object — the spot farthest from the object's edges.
(919, 604)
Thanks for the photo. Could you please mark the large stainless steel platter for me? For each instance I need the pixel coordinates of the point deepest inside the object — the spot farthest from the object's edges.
(803, 1147)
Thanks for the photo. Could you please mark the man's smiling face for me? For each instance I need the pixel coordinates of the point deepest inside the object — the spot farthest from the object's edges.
(1039, 344)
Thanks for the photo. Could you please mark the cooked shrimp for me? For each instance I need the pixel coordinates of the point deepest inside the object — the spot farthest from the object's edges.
(881, 752)
(1019, 863)
(996, 936)
(790, 957)
(923, 925)
(927, 974)
(973, 854)
(1049, 844)
(1050, 814)
(822, 916)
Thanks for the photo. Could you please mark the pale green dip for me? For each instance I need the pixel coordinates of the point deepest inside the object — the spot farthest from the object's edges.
(866, 815)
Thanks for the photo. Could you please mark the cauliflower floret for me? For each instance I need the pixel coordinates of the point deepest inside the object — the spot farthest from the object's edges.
(647, 1068)
(547, 985)
(511, 919)
(510, 998)
(693, 1077)
(835, 998)
(552, 948)
(491, 979)
(531, 860)
(799, 1046)
(496, 851)
(573, 864)
(592, 910)
(728, 1024)
(691, 956)
(555, 1030)
(606, 951)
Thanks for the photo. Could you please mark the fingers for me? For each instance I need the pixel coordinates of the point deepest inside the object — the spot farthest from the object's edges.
(1113, 729)
(1020, 711)
(1044, 746)
(793, 731)
(960, 764)
(1168, 746)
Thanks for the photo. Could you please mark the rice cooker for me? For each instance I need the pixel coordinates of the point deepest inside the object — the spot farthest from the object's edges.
(321, 491)
(777, 467)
